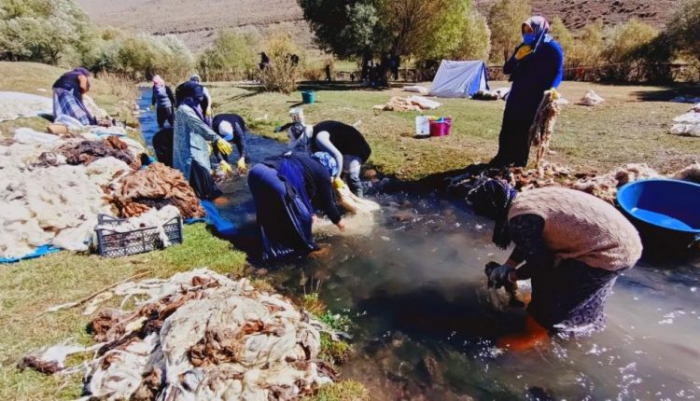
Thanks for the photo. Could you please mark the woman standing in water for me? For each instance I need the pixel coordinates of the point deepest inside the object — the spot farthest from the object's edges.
(571, 244)
(285, 191)
(191, 140)
(535, 67)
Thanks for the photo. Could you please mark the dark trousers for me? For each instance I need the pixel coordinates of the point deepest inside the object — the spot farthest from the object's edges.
(513, 143)
(164, 114)
(202, 183)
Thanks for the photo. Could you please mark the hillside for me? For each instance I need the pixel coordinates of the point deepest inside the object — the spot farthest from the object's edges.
(196, 21)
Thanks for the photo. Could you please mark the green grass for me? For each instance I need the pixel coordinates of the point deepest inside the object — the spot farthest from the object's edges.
(347, 390)
(625, 129)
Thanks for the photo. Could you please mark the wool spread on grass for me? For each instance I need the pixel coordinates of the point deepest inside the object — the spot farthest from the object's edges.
(201, 336)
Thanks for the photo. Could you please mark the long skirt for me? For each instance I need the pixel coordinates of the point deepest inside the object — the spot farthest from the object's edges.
(284, 220)
(164, 114)
(202, 183)
(513, 143)
(569, 298)
(66, 103)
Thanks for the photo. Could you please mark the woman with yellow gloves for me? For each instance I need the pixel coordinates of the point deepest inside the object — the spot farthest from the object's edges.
(535, 67)
(191, 140)
(232, 128)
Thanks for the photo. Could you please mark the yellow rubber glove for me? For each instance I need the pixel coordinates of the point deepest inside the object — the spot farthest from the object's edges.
(523, 51)
(211, 150)
(338, 183)
(153, 107)
(241, 165)
(226, 168)
(555, 94)
(224, 147)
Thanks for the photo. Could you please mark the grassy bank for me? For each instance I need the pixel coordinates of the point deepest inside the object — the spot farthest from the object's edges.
(114, 95)
(632, 126)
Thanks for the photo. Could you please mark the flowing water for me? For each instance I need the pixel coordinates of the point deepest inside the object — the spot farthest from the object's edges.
(414, 285)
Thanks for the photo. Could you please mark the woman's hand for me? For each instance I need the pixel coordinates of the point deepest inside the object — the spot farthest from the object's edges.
(522, 52)
(341, 225)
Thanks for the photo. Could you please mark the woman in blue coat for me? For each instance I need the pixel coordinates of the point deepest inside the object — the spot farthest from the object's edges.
(535, 67)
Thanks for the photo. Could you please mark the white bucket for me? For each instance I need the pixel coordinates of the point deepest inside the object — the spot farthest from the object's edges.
(422, 126)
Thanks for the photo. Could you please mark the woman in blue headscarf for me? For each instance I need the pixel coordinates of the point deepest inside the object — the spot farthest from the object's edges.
(191, 138)
(286, 191)
(535, 67)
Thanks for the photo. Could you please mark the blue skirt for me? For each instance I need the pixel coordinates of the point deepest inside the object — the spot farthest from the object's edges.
(283, 217)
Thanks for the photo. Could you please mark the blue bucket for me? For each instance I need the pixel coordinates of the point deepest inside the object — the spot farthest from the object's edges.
(308, 97)
(666, 213)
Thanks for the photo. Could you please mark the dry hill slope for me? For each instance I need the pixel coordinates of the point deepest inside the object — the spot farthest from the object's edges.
(197, 20)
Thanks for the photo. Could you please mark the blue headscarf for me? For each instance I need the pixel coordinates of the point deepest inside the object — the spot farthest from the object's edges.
(192, 95)
(540, 27)
(328, 162)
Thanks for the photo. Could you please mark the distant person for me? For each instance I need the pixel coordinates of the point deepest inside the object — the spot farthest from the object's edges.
(264, 61)
(191, 139)
(287, 190)
(344, 142)
(535, 67)
(163, 101)
(232, 128)
(206, 101)
(572, 245)
(294, 60)
(328, 73)
(68, 93)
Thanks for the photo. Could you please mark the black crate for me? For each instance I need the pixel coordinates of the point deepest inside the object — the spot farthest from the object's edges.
(114, 244)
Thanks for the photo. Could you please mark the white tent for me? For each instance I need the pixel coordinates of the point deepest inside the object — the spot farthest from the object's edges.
(459, 79)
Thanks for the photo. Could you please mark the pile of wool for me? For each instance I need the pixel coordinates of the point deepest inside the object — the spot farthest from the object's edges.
(605, 186)
(401, 104)
(690, 173)
(156, 186)
(203, 336)
(57, 206)
(86, 152)
(542, 128)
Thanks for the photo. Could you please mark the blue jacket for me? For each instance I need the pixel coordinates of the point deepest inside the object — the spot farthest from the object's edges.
(532, 76)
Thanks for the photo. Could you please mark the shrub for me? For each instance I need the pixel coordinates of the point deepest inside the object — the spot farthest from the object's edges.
(282, 74)
(684, 31)
(506, 18)
(231, 57)
(624, 52)
(41, 30)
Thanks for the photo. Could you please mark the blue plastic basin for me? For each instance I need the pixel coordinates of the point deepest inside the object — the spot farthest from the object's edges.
(666, 212)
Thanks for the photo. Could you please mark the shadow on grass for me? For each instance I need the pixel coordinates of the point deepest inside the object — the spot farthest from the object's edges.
(668, 92)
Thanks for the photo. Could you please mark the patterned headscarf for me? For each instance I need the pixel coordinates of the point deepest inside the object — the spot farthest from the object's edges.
(328, 162)
(540, 27)
(158, 81)
(493, 198)
(82, 71)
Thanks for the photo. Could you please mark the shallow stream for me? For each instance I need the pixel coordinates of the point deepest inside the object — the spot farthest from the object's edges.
(414, 285)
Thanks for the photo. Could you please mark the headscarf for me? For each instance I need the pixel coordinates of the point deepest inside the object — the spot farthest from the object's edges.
(82, 71)
(226, 131)
(192, 95)
(328, 162)
(493, 198)
(540, 27)
(298, 136)
(158, 81)
(195, 78)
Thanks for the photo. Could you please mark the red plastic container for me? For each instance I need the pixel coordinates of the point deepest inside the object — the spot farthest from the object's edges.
(441, 127)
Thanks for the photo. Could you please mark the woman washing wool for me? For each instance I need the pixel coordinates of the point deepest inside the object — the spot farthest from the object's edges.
(572, 245)
(191, 140)
(535, 67)
(68, 93)
(286, 190)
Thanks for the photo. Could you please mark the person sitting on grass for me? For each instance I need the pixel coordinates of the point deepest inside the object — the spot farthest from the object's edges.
(68, 91)
(572, 245)
(286, 191)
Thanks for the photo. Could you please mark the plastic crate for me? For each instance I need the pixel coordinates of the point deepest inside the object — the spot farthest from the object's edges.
(117, 244)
